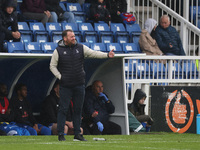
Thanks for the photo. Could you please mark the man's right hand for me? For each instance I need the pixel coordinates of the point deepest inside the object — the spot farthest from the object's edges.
(16, 34)
(94, 114)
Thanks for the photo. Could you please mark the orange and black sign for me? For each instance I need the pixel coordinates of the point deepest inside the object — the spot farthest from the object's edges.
(175, 108)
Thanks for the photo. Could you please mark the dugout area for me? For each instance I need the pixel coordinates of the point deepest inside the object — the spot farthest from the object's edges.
(33, 70)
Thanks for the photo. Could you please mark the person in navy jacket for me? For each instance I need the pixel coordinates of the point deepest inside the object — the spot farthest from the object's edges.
(168, 38)
(98, 108)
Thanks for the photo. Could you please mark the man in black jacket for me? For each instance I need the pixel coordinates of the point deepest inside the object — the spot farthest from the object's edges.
(99, 12)
(116, 7)
(98, 107)
(22, 112)
(58, 14)
(8, 19)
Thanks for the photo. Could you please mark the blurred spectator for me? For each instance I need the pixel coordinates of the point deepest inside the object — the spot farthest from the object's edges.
(36, 10)
(98, 107)
(4, 104)
(147, 42)
(116, 7)
(137, 109)
(168, 38)
(22, 112)
(50, 110)
(99, 12)
(5, 116)
(8, 19)
(58, 14)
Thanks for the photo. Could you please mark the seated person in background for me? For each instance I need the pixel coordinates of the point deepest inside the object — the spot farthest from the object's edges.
(99, 12)
(168, 38)
(8, 19)
(147, 42)
(58, 14)
(5, 117)
(22, 112)
(116, 7)
(50, 110)
(97, 107)
(36, 10)
(137, 109)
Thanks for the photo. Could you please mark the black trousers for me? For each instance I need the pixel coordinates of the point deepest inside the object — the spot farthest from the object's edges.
(110, 128)
(7, 37)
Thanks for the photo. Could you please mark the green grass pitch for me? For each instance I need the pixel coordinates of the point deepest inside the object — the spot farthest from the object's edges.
(151, 141)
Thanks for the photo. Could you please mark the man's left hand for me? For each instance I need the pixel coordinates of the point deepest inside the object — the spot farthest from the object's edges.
(104, 96)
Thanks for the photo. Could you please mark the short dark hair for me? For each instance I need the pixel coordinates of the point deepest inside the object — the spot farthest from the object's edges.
(19, 86)
(64, 33)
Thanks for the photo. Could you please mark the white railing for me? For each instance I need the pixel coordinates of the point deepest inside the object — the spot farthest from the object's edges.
(156, 70)
(189, 33)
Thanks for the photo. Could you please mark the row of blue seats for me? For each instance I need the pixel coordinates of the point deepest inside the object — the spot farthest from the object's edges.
(84, 32)
(150, 70)
(49, 47)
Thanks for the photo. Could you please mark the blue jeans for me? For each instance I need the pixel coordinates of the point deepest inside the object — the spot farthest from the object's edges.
(66, 17)
(76, 94)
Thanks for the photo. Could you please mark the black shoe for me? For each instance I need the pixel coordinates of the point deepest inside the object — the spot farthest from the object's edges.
(61, 138)
(79, 137)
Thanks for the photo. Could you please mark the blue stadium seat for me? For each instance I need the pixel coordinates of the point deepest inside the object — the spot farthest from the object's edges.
(134, 32)
(88, 33)
(98, 47)
(159, 70)
(71, 26)
(79, 15)
(74, 7)
(74, 27)
(190, 70)
(135, 37)
(33, 47)
(133, 28)
(16, 47)
(53, 27)
(26, 33)
(194, 13)
(56, 37)
(37, 27)
(55, 31)
(39, 32)
(130, 72)
(104, 33)
(177, 71)
(48, 47)
(143, 70)
(120, 33)
(116, 46)
(130, 48)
